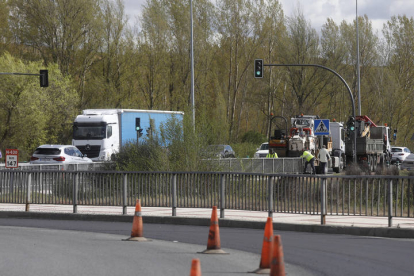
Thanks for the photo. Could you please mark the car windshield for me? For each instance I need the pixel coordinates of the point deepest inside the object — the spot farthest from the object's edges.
(47, 151)
(264, 147)
(396, 150)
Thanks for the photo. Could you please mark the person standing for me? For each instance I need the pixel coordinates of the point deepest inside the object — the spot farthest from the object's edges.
(309, 159)
(323, 157)
(271, 154)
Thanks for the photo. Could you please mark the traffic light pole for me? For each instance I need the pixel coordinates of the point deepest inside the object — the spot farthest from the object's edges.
(343, 81)
(43, 77)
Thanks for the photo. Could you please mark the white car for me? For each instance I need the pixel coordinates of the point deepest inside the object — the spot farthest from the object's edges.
(408, 163)
(58, 154)
(399, 154)
(262, 151)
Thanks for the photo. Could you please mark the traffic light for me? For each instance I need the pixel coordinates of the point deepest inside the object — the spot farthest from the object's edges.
(258, 68)
(138, 126)
(352, 123)
(44, 78)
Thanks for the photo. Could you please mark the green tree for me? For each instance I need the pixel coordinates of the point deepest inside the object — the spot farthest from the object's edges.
(33, 115)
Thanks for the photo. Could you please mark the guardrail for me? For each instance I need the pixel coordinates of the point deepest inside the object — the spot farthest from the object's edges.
(64, 166)
(290, 165)
(250, 165)
(386, 196)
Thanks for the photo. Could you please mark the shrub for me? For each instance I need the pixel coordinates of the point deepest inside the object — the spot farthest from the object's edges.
(253, 137)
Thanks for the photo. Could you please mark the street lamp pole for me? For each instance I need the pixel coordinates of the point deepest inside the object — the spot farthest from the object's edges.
(358, 72)
(192, 67)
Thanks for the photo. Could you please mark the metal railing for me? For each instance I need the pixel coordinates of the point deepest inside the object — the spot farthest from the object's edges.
(95, 166)
(385, 196)
(259, 165)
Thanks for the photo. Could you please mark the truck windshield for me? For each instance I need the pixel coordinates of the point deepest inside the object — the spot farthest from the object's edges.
(89, 132)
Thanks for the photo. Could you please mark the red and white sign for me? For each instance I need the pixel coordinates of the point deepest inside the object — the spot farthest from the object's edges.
(12, 158)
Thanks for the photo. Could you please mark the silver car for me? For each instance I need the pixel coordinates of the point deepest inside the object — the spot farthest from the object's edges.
(58, 154)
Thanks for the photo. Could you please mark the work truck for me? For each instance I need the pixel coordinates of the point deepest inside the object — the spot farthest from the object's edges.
(100, 133)
(373, 146)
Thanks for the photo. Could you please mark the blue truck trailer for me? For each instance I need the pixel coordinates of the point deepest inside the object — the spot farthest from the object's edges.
(100, 133)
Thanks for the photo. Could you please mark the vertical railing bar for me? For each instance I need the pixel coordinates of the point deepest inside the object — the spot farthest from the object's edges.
(402, 196)
(270, 196)
(323, 201)
(385, 197)
(124, 194)
(390, 203)
(355, 195)
(366, 197)
(28, 191)
(379, 196)
(174, 194)
(395, 201)
(360, 197)
(372, 197)
(75, 192)
(409, 197)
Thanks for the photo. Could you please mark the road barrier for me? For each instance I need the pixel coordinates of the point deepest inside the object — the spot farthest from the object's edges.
(290, 165)
(385, 196)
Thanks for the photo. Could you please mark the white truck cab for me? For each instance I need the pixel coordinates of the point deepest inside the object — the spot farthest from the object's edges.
(96, 133)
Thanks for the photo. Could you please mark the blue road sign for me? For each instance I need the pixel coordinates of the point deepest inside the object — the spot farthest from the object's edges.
(321, 127)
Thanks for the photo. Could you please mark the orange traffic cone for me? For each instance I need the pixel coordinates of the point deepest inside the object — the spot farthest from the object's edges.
(195, 268)
(213, 242)
(137, 225)
(267, 249)
(277, 268)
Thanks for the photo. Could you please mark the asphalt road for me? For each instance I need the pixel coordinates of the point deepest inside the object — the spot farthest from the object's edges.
(305, 253)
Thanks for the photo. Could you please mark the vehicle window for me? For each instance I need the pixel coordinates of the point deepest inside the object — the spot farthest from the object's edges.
(108, 131)
(47, 151)
(89, 132)
(69, 151)
(406, 150)
(264, 147)
(396, 150)
(77, 152)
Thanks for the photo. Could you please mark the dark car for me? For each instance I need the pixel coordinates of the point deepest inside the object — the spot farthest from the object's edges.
(219, 151)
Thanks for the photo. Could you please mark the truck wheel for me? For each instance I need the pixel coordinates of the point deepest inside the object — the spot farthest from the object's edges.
(372, 163)
(375, 160)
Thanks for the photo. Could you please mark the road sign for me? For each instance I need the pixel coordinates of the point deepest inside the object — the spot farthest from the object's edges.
(12, 158)
(321, 127)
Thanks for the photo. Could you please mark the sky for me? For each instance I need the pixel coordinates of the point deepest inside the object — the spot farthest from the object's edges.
(317, 11)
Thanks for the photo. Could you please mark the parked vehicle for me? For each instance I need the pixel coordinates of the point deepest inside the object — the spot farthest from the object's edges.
(218, 151)
(262, 151)
(100, 133)
(408, 163)
(58, 154)
(399, 154)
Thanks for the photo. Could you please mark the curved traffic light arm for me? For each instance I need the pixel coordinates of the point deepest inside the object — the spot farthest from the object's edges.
(336, 74)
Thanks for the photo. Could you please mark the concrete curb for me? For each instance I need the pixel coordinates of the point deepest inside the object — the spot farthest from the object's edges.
(312, 228)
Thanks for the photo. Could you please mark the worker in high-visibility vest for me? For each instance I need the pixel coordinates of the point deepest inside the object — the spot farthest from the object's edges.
(309, 159)
(271, 154)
